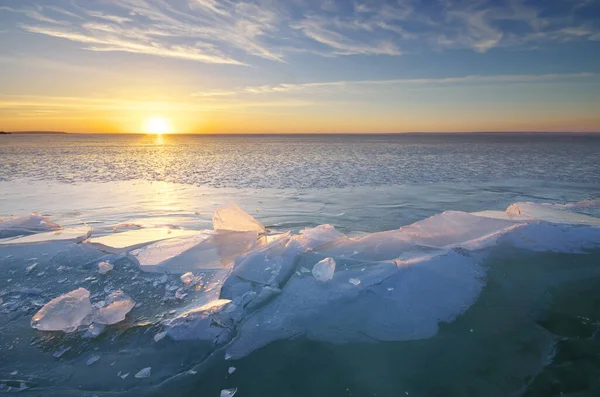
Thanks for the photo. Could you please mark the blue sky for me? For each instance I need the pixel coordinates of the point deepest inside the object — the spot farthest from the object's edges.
(300, 65)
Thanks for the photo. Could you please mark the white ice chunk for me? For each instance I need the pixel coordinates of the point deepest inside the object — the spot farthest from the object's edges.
(64, 313)
(104, 267)
(118, 304)
(118, 243)
(19, 226)
(228, 392)
(354, 281)
(323, 270)
(73, 234)
(144, 373)
(207, 250)
(312, 238)
(231, 370)
(232, 217)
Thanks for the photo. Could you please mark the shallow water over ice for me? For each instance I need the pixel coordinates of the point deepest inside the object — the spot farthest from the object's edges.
(447, 304)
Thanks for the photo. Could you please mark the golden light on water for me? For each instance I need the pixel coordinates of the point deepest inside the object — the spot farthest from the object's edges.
(158, 125)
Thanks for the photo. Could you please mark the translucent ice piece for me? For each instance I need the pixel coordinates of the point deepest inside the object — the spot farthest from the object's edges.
(19, 226)
(72, 234)
(232, 217)
(144, 373)
(64, 313)
(207, 250)
(118, 304)
(118, 243)
(104, 267)
(228, 392)
(323, 270)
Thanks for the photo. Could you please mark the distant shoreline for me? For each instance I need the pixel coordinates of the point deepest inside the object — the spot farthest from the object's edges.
(33, 132)
(310, 133)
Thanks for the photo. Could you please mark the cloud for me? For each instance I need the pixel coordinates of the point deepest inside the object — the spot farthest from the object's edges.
(241, 32)
(448, 81)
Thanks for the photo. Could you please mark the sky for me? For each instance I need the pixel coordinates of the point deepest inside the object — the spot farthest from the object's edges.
(300, 66)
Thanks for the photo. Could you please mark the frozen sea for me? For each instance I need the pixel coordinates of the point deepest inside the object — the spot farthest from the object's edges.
(438, 289)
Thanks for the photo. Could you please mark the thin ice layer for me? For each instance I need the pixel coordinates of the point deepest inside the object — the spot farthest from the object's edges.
(391, 303)
(232, 217)
(64, 313)
(118, 243)
(550, 213)
(207, 250)
(72, 234)
(34, 223)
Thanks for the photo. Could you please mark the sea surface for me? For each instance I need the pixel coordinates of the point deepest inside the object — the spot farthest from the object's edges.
(530, 329)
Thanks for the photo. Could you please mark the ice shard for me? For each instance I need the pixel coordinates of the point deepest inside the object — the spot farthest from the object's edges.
(206, 250)
(118, 304)
(64, 313)
(232, 217)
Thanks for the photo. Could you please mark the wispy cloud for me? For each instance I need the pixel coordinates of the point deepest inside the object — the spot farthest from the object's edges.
(336, 85)
(239, 32)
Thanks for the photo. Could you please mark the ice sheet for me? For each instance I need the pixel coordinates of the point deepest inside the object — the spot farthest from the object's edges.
(117, 243)
(74, 234)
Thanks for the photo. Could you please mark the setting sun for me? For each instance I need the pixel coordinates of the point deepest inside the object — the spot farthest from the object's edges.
(158, 125)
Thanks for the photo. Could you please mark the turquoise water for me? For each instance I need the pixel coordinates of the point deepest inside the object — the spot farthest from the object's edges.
(531, 331)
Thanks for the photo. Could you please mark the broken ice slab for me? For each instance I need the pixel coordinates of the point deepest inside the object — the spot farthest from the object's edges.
(64, 313)
(324, 269)
(420, 296)
(117, 243)
(232, 217)
(118, 304)
(198, 324)
(24, 225)
(69, 234)
(446, 230)
(206, 250)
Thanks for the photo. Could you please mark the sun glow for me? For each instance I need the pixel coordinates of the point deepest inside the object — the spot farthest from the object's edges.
(158, 125)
